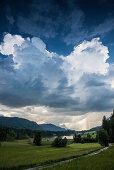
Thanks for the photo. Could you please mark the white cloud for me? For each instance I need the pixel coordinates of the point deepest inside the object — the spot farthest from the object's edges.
(112, 84)
(109, 78)
(9, 41)
(35, 61)
(88, 57)
(32, 52)
(38, 43)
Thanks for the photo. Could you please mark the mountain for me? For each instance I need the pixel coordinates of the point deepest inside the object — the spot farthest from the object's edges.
(95, 128)
(51, 127)
(20, 123)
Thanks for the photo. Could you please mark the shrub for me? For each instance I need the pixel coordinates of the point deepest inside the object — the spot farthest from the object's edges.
(37, 138)
(59, 142)
(103, 137)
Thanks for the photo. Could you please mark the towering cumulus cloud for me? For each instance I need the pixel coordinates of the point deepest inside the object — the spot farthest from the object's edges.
(89, 58)
(33, 77)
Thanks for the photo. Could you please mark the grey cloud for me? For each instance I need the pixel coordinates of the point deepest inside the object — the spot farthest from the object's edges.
(63, 19)
(99, 94)
(52, 19)
(78, 35)
(104, 27)
(10, 19)
(101, 100)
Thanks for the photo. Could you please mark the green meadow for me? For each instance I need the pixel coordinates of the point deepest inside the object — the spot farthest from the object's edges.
(92, 133)
(22, 153)
(101, 161)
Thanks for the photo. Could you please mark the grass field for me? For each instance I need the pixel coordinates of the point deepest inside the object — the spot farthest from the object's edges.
(102, 161)
(22, 153)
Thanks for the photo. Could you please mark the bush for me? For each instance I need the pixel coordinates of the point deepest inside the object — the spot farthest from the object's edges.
(103, 137)
(37, 139)
(59, 142)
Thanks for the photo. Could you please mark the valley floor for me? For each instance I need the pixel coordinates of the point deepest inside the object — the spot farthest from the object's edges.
(22, 154)
(102, 161)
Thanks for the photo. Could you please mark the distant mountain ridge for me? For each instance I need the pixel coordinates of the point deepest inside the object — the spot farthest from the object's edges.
(95, 128)
(51, 127)
(21, 123)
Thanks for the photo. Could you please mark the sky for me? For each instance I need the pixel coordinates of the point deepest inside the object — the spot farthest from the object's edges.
(57, 61)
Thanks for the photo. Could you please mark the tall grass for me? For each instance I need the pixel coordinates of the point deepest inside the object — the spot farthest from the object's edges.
(102, 161)
(23, 153)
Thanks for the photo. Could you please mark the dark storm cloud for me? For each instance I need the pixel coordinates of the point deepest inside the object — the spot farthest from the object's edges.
(99, 94)
(17, 92)
(94, 82)
(102, 100)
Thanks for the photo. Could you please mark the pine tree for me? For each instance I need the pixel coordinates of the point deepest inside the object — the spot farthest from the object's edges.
(112, 127)
(103, 137)
(105, 124)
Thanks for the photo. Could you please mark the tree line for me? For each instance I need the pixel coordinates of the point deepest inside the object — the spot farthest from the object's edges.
(84, 139)
(10, 134)
(106, 133)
